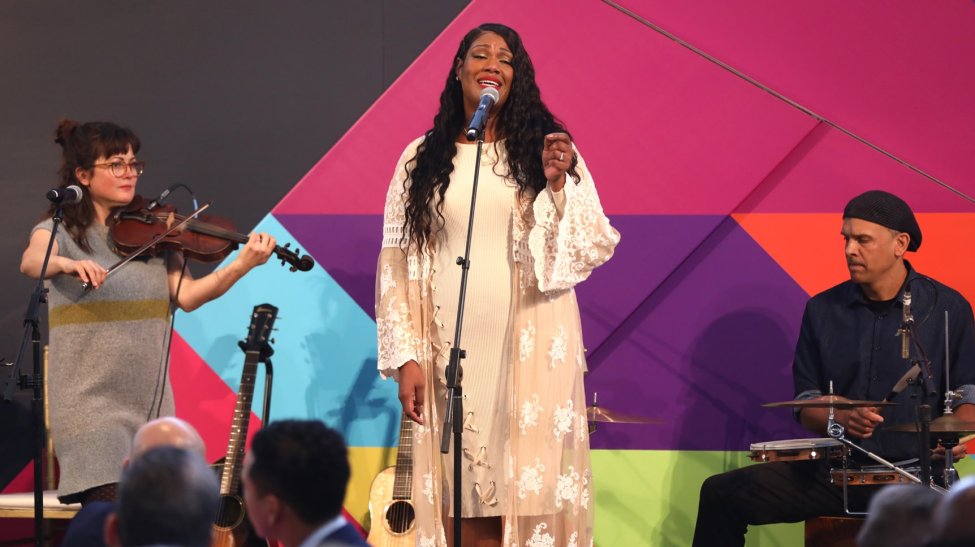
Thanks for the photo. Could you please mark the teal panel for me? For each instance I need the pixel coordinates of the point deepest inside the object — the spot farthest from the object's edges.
(325, 348)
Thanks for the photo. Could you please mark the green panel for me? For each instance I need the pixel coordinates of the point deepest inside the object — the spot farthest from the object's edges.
(649, 497)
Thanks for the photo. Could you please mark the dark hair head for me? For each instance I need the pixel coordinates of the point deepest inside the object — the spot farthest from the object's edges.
(305, 464)
(167, 495)
(522, 122)
(81, 146)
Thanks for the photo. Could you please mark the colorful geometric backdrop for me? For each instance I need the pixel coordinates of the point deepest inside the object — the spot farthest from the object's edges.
(727, 197)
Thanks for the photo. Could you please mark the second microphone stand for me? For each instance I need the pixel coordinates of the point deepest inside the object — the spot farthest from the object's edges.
(35, 381)
(454, 372)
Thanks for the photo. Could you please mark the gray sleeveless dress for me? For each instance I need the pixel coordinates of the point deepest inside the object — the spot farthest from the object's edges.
(107, 362)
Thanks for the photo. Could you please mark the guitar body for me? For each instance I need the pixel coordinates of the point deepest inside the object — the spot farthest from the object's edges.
(392, 517)
(227, 531)
(392, 522)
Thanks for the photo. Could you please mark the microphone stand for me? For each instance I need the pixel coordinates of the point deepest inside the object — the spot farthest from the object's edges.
(453, 417)
(35, 380)
(924, 408)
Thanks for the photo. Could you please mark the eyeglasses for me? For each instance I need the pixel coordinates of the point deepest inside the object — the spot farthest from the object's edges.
(120, 168)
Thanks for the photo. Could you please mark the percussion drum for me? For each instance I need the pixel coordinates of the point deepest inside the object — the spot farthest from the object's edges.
(796, 450)
(871, 476)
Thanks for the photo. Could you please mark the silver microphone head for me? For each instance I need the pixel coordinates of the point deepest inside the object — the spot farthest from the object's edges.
(490, 92)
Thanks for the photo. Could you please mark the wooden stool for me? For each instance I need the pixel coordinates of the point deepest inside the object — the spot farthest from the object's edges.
(832, 531)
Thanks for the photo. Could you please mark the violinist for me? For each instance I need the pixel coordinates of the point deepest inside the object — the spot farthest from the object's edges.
(109, 346)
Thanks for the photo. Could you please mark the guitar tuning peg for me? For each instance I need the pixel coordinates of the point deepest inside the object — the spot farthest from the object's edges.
(273, 341)
(287, 245)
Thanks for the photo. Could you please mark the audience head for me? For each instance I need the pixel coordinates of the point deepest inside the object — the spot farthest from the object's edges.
(167, 431)
(295, 474)
(954, 519)
(167, 496)
(899, 516)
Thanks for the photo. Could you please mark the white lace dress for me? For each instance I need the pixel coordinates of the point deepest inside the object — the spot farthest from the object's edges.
(526, 445)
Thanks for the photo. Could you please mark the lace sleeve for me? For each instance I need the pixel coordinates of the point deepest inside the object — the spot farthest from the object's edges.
(567, 247)
(396, 332)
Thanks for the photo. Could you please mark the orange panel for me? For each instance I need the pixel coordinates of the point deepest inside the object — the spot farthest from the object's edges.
(809, 248)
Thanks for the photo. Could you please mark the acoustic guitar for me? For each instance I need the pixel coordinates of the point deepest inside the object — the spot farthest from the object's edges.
(231, 527)
(393, 519)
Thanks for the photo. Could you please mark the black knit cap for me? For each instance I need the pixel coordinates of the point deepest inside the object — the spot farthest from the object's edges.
(887, 210)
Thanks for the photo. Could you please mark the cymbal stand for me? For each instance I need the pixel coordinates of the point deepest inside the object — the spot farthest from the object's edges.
(951, 474)
(595, 406)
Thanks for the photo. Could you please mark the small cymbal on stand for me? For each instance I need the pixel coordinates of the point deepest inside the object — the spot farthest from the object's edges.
(827, 401)
(600, 414)
(949, 423)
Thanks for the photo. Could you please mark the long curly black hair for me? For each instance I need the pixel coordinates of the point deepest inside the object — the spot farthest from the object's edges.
(81, 146)
(522, 122)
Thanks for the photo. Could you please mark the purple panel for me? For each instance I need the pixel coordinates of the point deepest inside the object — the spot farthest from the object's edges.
(346, 246)
(650, 249)
(703, 352)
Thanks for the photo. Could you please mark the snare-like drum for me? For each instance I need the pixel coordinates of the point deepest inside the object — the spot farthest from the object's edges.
(797, 449)
(870, 476)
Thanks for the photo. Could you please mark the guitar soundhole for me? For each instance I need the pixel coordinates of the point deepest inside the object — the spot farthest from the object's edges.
(399, 517)
(231, 512)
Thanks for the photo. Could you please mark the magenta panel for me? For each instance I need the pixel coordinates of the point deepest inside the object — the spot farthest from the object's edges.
(828, 168)
(663, 130)
(898, 73)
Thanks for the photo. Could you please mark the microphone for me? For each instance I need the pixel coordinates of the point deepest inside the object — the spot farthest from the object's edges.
(908, 377)
(489, 96)
(165, 193)
(65, 196)
(906, 320)
(158, 201)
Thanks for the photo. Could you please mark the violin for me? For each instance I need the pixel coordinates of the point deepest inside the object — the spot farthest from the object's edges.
(205, 238)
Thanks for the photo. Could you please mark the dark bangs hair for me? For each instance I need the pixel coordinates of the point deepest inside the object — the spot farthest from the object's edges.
(81, 146)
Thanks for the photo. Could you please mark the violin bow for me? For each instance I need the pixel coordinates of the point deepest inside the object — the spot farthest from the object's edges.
(153, 241)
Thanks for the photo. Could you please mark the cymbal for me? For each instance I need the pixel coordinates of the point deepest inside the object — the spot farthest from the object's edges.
(600, 414)
(944, 424)
(827, 401)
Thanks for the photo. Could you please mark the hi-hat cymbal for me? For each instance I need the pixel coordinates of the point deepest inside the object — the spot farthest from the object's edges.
(600, 414)
(948, 423)
(827, 401)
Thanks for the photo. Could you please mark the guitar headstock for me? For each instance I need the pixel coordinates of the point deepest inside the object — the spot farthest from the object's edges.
(259, 332)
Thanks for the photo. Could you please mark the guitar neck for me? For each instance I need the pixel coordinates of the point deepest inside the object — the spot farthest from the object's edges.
(403, 483)
(230, 479)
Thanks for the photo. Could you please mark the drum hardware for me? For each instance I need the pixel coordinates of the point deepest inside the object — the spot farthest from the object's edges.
(837, 432)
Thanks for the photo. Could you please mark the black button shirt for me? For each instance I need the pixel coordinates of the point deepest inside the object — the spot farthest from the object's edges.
(854, 343)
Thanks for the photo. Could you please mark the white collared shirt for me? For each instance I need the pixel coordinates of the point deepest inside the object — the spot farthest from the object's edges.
(317, 536)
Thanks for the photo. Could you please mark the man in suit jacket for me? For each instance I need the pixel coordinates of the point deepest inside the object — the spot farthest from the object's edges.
(295, 477)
